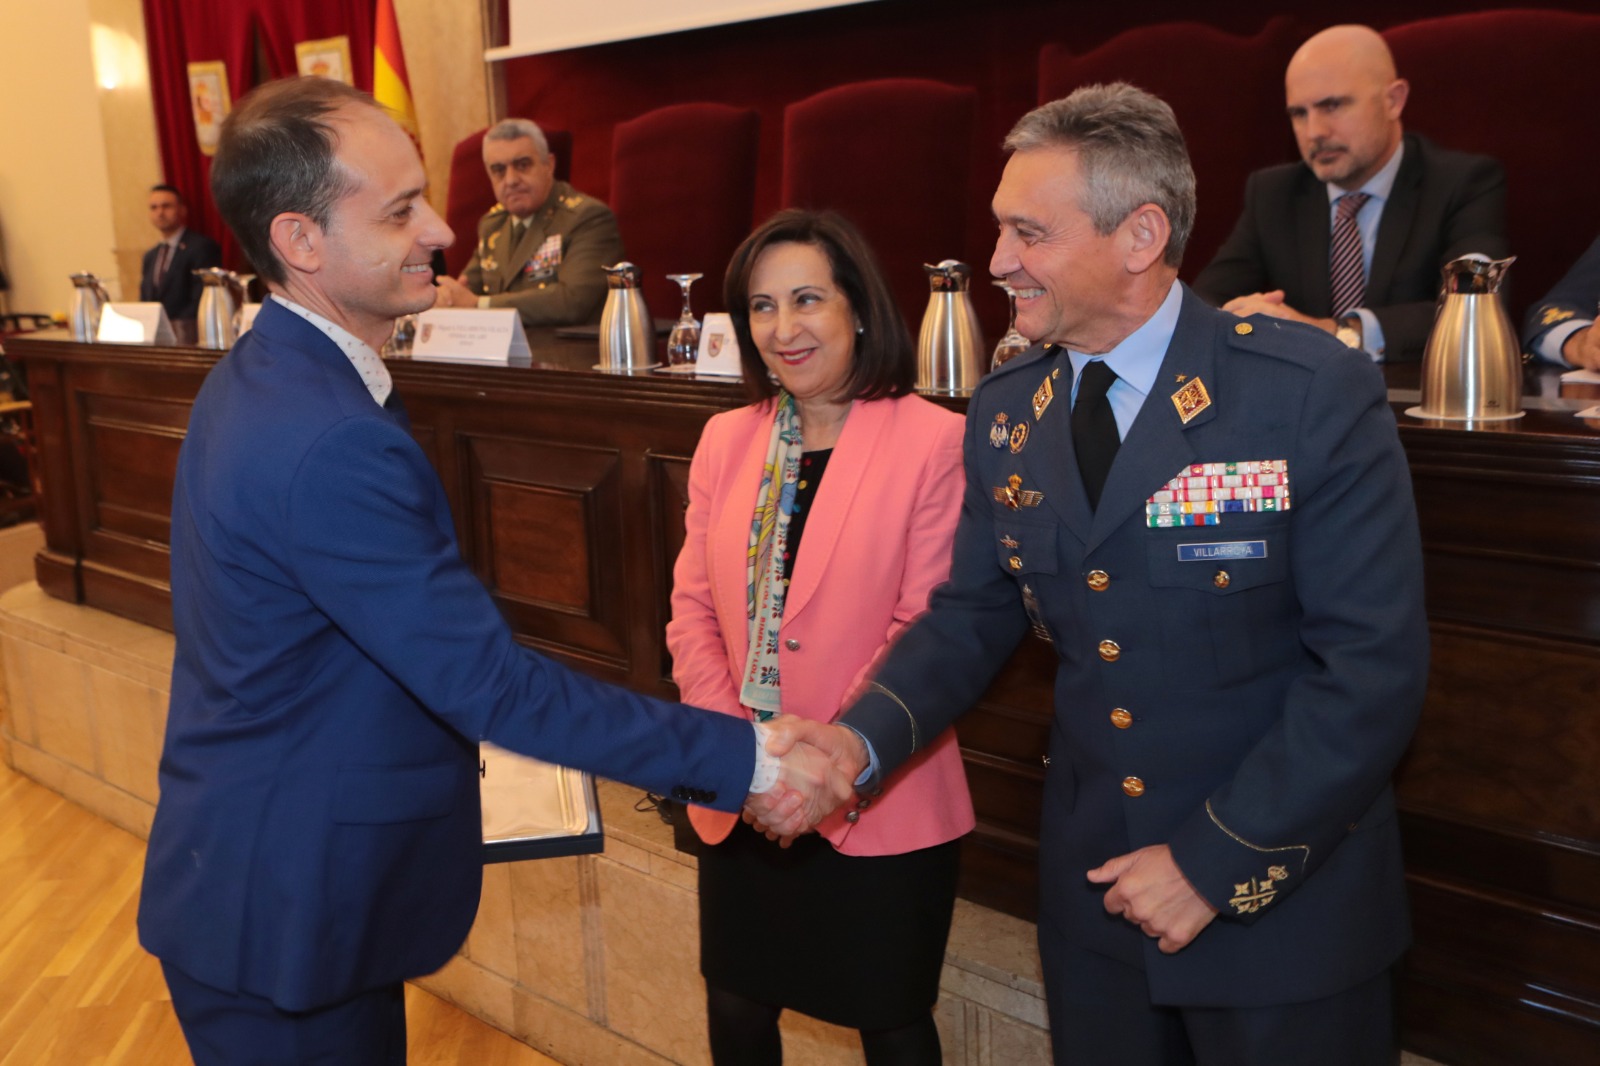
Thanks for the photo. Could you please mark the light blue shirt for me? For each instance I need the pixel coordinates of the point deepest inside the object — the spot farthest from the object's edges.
(1377, 189)
(1136, 361)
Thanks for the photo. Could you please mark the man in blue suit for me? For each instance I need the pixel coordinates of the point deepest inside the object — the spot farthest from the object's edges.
(318, 837)
(1560, 328)
(1210, 518)
(166, 275)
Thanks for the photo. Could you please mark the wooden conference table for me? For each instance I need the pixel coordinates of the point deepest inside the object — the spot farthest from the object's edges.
(568, 487)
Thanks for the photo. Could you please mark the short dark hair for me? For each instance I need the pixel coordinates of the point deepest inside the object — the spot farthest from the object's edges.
(1130, 152)
(885, 362)
(277, 154)
(173, 189)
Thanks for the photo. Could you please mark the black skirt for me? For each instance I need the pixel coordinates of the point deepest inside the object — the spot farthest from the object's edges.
(853, 940)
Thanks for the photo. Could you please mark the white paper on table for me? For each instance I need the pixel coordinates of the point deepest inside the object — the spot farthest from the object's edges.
(525, 798)
(1590, 412)
(719, 347)
(135, 323)
(463, 335)
(1585, 377)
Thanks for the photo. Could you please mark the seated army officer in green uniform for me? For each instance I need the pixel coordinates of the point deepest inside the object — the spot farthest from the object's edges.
(540, 249)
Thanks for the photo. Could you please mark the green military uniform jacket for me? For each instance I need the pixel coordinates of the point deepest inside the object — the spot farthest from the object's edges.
(548, 288)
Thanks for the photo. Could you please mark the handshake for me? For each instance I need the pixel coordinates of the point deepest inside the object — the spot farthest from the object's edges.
(818, 767)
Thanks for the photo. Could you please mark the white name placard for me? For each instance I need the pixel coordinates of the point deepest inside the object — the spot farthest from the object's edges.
(461, 335)
(135, 323)
(719, 347)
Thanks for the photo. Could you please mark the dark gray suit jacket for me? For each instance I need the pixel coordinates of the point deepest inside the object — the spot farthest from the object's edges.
(1444, 204)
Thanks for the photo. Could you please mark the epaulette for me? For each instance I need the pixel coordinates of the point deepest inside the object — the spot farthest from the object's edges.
(571, 202)
(1285, 339)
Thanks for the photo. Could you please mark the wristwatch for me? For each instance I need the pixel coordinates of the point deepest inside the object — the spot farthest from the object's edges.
(1349, 331)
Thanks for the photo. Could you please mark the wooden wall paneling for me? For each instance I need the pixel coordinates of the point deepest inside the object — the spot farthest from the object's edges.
(669, 499)
(56, 565)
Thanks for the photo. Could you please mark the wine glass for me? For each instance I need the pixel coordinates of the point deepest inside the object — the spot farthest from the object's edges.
(1013, 343)
(683, 343)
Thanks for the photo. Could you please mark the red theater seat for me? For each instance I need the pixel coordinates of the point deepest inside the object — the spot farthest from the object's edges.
(683, 184)
(1226, 91)
(470, 195)
(1521, 86)
(895, 157)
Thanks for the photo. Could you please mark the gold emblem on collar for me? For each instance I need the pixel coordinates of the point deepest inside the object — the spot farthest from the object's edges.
(1042, 397)
(1191, 399)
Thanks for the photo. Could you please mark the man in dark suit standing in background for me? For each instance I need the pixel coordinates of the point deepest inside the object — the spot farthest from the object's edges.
(1211, 519)
(318, 837)
(167, 275)
(1351, 240)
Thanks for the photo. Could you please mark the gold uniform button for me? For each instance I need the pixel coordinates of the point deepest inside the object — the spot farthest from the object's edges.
(1016, 563)
(1121, 718)
(1110, 651)
(1244, 329)
(1221, 579)
(1099, 580)
(1133, 786)
(852, 817)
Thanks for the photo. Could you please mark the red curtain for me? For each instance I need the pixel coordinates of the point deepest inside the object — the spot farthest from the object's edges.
(180, 32)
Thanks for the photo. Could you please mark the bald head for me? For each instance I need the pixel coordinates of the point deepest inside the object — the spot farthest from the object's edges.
(1344, 102)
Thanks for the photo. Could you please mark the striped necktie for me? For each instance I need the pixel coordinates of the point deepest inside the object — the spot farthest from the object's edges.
(1348, 277)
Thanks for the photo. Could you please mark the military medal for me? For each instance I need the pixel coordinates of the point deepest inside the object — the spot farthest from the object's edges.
(1009, 541)
(1041, 398)
(1019, 437)
(1203, 492)
(1191, 399)
(1013, 495)
(998, 432)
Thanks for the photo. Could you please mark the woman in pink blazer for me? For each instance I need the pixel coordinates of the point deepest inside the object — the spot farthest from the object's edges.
(820, 518)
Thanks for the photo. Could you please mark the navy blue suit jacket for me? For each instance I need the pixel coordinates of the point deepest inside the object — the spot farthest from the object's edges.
(1444, 204)
(1265, 699)
(1575, 296)
(318, 832)
(179, 291)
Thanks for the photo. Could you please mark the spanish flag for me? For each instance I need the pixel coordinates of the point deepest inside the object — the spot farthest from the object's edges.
(391, 85)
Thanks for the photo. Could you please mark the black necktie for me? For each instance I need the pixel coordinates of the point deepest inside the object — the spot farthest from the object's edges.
(1094, 428)
(162, 258)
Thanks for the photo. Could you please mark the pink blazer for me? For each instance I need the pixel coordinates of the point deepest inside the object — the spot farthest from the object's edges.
(876, 543)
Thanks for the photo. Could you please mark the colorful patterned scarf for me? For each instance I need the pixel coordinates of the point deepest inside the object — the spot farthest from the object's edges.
(769, 540)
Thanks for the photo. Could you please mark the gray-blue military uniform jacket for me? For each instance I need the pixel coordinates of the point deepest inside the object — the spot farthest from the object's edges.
(1240, 691)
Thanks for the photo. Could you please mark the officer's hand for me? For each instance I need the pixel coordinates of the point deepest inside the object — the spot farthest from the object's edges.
(1149, 890)
(1583, 348)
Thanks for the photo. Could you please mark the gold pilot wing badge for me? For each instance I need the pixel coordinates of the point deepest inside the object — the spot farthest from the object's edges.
(1191, 399)
(1250, 896)
(1552, 315)
(1013, 495)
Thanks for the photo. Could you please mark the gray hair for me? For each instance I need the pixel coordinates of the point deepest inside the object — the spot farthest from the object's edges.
(514, 129)
(278, 153)
(1130, 150)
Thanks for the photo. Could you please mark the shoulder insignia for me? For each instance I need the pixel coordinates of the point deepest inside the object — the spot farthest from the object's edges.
(497, 209)
(571, 202)
(1553, 315)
